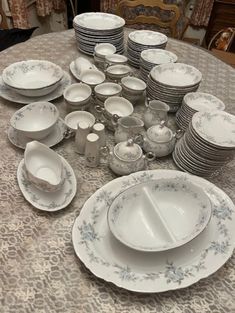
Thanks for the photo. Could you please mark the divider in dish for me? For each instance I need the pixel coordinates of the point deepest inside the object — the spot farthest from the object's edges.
(159, 215)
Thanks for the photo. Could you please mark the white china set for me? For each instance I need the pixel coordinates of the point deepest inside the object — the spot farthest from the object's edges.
(147, 231)
(194, 102)
(208, 143)
(140, 40)
(96, 27)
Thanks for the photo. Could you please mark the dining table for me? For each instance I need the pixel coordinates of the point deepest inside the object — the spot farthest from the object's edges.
(39, 270)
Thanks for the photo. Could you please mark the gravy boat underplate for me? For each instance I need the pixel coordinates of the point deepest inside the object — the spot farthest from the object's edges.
(159, 215)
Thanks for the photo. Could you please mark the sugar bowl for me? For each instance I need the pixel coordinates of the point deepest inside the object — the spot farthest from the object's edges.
(126, 158)
(160, 140)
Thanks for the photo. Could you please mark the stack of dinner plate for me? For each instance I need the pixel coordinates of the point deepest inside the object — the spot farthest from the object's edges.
(140, 40)
(170, 82)
(194, 102)
(208, 144)
(96, 27)
(152, 57)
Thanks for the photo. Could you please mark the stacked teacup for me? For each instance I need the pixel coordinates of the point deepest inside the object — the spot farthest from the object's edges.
(170, 82)
(101, 51)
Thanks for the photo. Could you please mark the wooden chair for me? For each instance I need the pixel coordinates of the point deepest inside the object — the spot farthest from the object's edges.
(3, 19)
(143, 12)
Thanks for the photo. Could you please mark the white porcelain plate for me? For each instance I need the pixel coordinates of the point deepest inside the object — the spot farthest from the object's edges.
(99, 21)
(48, 201)
(201, 101)
(10, 95)
(158, 56)
(147, 37)
(57, 135)
(217, 128)
(159, 215)
(176, 74)
(139, 271)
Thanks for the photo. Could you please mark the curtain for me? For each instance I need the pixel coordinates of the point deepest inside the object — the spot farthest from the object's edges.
(201, 13)
(44, 7)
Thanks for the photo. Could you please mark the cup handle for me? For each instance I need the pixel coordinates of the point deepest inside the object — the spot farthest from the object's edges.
(139, 139)
(115, 119)
(68, 133)
(179, 133)
(99, 109)
(147, 100)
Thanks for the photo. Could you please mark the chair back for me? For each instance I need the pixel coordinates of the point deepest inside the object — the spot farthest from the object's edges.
(150, 13)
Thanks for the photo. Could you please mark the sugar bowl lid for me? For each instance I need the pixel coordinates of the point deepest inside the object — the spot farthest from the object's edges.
(160, 133)
(128, 151)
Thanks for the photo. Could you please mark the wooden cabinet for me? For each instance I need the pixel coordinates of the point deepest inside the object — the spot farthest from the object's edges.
(222, 16)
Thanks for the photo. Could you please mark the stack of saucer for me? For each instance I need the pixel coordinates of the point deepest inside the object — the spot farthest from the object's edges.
(194, 102)
(170, 82)
(96, 27)
(151, 57)
(208, 144)
(140, 40)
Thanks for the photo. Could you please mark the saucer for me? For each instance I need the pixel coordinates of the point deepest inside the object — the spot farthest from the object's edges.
(48, 201)
(11, 95)
(74, 71)
(57, 134)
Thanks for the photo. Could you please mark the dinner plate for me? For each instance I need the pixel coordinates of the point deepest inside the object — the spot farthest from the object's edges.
(8, 94)
(48, 201)
(98, 21)
(147, 37)
(145, 272)
(159, 215)
(57, 134)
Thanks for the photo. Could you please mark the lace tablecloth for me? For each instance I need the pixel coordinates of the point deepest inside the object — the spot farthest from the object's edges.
(39, 270)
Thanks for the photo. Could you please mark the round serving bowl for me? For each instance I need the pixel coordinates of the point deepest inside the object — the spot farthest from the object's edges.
(103, 49)
(35, 120)
(72, 119)
(133, 85)
(32, 78)
(77, 96)
(43, 167)
(92, 77)
(106, 90)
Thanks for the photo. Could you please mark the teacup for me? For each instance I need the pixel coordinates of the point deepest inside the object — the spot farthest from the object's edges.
(114, 108)
(103, 49)
(133, 85)
(106, 90)
(72, 119)
(117, 72)
(115, 59)
(77, 96)
(92, 77)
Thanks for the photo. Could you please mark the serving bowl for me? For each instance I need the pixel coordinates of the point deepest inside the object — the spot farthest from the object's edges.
(43, 167)
(32, 78)
(35, 120)
(92, 77)
(160, 214)
(106, 90)
(72, 119)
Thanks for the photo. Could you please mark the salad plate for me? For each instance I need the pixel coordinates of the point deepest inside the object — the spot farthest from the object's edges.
(57, 134)
(147, 272)
(159, 215)
(11, 95)
(48, 201)
(147, 37)
(216, 128)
